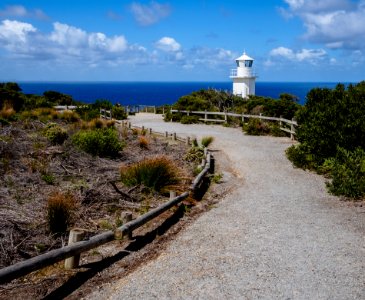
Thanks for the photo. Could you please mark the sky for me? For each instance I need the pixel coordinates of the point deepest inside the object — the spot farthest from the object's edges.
(110, 40)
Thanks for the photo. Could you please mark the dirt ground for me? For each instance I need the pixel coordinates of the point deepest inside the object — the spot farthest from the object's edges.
(26, 155)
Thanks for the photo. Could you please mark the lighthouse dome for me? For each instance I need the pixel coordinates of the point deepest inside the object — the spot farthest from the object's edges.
(244, 61)
(243, 57)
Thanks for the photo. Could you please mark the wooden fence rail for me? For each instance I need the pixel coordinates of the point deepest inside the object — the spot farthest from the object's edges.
(25, 267)
(292, 123)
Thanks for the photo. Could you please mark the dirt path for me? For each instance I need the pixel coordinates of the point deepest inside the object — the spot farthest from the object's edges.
(279, 235)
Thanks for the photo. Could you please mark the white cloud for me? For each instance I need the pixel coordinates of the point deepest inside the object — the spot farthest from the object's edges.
(149, 14)
(67, 43)
(334, 23)
(312, 56)
(167, 44)
(12, 32)
(20, 11)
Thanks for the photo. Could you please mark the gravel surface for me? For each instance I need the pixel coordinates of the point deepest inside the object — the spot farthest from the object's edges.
(278, 235)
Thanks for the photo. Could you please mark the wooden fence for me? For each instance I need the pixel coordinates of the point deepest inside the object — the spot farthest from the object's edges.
(75, 249)
(285, 124)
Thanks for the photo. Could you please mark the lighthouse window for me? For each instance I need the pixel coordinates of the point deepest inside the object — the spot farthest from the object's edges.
(248, 63)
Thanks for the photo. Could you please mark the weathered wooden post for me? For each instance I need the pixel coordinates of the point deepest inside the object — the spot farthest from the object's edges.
(225, 117)
(163, 110)
(280, 122)
(292, 129)
(206, 116)
(150, 131)
(174, 136)
(243, 119)
(142, 130)
(188, 140)
(126, 216)
(154, 109)
(205, 151)
(166, 135)
(172, 195)
(188, 113)
(129, 125)
(76, 235)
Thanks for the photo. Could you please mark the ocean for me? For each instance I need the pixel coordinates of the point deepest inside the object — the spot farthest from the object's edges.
(159, 93)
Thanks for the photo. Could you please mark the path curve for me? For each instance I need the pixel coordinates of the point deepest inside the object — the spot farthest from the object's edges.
(279, 235)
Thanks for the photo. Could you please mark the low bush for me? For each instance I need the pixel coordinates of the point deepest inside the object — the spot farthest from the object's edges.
(348, 173)
(60, 207)
(195, 154)
(143, 142)
(55, 134)
(69, 116)
(155, 173)
(300, 157)
(7, 113)
(256, 127)
(189, 119)
(207, 140)
(99, 141)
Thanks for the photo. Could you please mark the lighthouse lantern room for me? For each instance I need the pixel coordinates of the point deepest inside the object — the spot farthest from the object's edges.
(243, 77)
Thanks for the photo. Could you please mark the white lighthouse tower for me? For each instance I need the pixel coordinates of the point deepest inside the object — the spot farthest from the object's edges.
(243, 77)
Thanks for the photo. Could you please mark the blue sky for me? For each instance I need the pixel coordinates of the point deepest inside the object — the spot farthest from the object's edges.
(93, 40)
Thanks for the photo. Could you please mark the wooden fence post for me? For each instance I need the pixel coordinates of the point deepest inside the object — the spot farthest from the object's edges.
(154, 109)
(172, 195)
(166, 135)
(188, 140)
(126, 216)
(243, 119)
(280, 122)
(174, 136)
(225, 117)
(150, 131)
(76, 235)
(206, 115)
(163, 110)
(292, 130)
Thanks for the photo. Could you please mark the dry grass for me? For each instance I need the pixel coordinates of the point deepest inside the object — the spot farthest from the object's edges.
(7, 112)
(156, 173)
(143, 142)
(60, 207)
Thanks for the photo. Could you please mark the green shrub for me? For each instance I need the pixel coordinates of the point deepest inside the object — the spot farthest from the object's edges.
(118, 113)
(99, 141)
(155, 173)
(299, 157)
(256, 127)
(55, 134)
(195, 154)
(189, 119)
(275, 130)
(348, 173)
(59, 211)
(207, 140)
(48, 178)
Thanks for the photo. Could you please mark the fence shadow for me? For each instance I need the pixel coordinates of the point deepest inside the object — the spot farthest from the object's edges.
(75, 282)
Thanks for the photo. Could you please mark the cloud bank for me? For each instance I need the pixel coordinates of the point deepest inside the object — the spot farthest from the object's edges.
(148, 14)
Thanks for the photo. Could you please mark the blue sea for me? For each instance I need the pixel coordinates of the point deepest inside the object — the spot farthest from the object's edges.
(158, 93)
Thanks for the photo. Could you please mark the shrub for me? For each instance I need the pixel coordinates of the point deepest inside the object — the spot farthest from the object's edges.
(7, 113)
(256, 127)
(299, 157)
(70, 116)
(195, 154)
(189, 119)
(348, 173)
(155, 173)
(143, 142)
(59, 211)
(99, 141)
(207, 140)
(55, 134)
(48, 178)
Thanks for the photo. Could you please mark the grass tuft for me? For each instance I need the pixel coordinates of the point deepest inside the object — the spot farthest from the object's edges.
(207, 140)
(59, 211)
(155, 173)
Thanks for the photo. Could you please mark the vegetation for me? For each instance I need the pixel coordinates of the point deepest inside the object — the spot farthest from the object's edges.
(259, 127)
(207, 140)
(155, 173)
(59, 211)
(98, 141)
(55, 134)
(213, 100)
(332, 137)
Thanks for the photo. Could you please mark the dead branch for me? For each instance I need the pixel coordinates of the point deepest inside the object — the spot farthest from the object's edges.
(125, 195)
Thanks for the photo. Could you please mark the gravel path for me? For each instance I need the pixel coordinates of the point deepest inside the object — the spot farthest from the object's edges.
(279, 235)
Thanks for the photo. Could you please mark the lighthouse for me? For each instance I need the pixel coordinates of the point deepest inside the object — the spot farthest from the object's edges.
(243, 77)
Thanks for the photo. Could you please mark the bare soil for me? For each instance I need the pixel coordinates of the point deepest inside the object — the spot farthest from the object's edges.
(26, 156)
